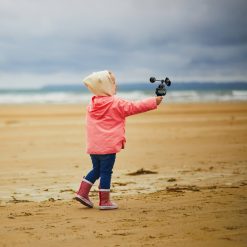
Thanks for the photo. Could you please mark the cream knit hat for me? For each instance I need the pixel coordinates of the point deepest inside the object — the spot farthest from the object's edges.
(100, 83)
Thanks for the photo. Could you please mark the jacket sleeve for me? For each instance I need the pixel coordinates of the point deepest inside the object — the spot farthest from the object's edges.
(129, 108)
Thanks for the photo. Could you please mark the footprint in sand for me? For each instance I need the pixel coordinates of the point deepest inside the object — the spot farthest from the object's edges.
(230, 228)
(208, 229)
(14, 215)
(12, 122)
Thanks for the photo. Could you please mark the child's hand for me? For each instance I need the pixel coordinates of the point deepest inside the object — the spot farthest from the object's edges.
(159, 99)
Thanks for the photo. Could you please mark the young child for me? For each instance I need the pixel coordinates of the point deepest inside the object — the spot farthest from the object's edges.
(105, 127)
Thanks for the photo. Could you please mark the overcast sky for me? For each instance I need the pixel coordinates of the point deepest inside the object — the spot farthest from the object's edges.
(61, 41)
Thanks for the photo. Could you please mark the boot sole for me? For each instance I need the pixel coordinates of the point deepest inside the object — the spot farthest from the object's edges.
(107, 207)
(83, 202)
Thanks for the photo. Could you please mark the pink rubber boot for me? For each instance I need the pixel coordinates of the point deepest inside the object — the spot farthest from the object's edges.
(105, 203)
(82, 193)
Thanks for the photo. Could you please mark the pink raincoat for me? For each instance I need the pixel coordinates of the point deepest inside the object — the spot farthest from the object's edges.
(105, 122)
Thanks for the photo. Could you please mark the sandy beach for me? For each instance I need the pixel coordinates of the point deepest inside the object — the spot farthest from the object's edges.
(181, 180)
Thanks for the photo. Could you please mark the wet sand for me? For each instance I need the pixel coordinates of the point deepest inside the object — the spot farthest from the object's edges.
(181, 181)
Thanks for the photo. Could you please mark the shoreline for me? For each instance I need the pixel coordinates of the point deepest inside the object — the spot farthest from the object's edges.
(163, 103)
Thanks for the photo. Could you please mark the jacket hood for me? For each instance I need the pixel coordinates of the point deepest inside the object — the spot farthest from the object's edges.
(100, 105)
(100, 83)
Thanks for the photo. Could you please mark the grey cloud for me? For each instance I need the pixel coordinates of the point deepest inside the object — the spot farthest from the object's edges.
(181, 37)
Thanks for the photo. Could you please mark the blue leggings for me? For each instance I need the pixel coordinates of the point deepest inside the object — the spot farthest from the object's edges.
(102, 168)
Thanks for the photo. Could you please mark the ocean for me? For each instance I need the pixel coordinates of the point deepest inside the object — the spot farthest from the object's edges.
(176, 93)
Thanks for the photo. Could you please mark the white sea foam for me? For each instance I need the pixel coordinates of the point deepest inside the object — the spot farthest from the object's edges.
(206, 96)
(40, 97)
(241, 95)
(43, 98)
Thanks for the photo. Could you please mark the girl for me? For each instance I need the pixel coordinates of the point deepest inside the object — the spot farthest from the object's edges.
(105, 127)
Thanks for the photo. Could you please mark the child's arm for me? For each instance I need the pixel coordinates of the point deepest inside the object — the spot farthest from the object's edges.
(129, 108)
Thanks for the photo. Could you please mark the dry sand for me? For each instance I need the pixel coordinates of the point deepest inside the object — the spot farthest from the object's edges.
(195, 194)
